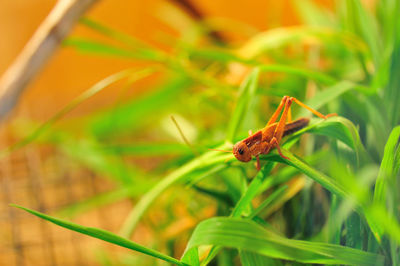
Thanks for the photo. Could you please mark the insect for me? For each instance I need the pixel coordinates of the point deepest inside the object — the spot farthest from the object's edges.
(268, 138)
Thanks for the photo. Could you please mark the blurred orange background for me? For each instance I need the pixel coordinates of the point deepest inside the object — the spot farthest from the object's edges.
(68, 72)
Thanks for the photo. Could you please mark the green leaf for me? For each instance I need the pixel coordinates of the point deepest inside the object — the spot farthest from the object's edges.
(147, 149)
(246, 93)
(339, 128)
(253, 259)
(208, 159)
(250, 236)
(327, 96)
(314, 75)
(225, 57)
(129, 116)
(95, 47)
(362, 23)
(313, 14)
(191, 257)
(252, 191)
(112, 33)
(282, 36)
(275, 195)
(99, 86)
(88, 153)
(100, 200)
(386, 182)
(103, 235)
(373, 114)
(387, 172)
(327, 182)
(392, 92)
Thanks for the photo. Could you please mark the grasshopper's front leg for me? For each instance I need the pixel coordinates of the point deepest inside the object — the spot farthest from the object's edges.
(258, 166)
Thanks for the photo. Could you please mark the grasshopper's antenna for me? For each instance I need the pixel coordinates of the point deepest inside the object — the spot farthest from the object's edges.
(183, 135)
(227, 159)
(220, 150)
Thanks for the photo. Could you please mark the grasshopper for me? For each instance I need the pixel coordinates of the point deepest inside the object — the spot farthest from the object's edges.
(268, 138)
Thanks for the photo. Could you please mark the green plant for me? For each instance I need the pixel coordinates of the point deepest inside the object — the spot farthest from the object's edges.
(349, 66)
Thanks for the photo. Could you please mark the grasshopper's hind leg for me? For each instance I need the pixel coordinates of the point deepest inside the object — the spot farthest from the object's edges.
(276, 144)
(278, 133)
(274, 117)
(312, 110)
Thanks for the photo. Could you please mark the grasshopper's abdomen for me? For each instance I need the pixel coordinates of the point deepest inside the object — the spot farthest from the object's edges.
(295, 125)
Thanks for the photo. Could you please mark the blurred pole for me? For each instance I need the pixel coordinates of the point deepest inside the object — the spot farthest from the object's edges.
(38, 50)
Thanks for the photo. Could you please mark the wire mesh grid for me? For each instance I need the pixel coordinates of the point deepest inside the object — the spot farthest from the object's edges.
(44, 180)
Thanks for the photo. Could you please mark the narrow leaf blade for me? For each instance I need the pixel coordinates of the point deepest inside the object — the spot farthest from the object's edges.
(102, 235)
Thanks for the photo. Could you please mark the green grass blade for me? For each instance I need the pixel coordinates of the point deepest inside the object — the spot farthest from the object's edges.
(275, 195)
(326, 96)
(314, 15)
(130, 116)
(112, 33)
(387, 174)
(280, 37)
(287, 173)
(246, 93)
(252, 191)
(313, 75)
(386, 182)
(219, 55)
(392, 92)
(327, 182)
(103, 235)
(99, 86)
(338, 128)
(244, 203)
(89, 46)
(253, 259)
(226, 57)
(372, 112)
(98, 201)
(208, 159)
(365, 25)
(379, 219)
(147, 149)
(191, 257)
(111, 166)
(250, 236)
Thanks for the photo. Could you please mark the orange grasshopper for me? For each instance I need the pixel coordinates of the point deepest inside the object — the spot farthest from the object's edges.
(268, 138)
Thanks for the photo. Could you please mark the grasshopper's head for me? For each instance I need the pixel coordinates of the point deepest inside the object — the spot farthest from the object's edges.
(241, 152)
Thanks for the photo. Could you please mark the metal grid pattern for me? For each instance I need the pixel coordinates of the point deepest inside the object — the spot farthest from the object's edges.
(46, 181)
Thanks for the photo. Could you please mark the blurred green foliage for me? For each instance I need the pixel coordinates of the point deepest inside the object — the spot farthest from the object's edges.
(334, 202)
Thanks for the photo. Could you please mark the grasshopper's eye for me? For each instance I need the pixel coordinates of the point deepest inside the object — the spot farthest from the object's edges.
(241, 152)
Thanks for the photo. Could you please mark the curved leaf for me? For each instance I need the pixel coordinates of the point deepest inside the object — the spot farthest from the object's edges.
(327, 182)
(339, 128)
(250, 236)
(253, 259)
(387, 172)
(103, 235)
(386, 180)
